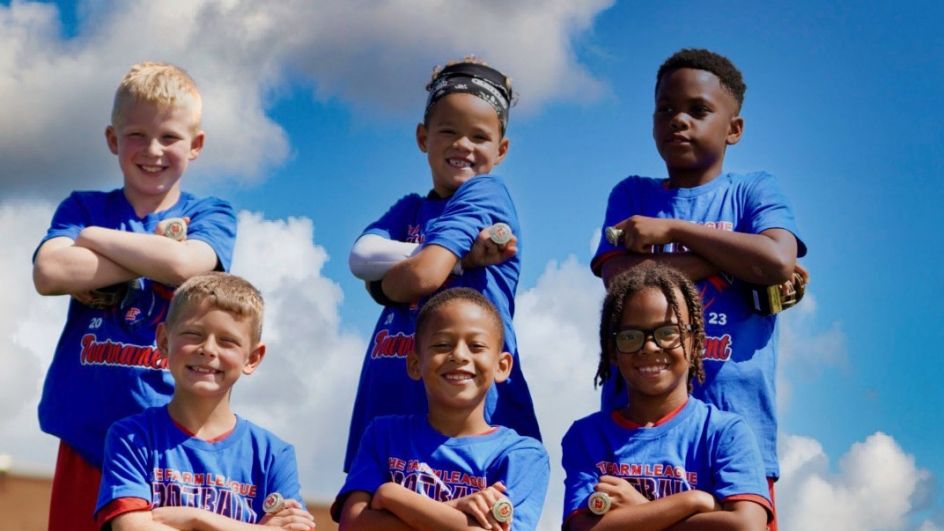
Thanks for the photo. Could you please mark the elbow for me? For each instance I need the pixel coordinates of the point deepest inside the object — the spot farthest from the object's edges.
(44, 281)
(781, 270)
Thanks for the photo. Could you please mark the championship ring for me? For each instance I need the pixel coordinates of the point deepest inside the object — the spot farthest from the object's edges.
(502, 510)
(175, 229)
(769, 300)
(614, 236)
(500, 233)
(273, 503)
(599, 503)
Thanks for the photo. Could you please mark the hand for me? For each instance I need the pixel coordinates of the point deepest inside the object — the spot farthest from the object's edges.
(640, 233)
(102, 298)
(479, 506)
(620, 491)
(792, 291)
(485, 252)
(173, 228)
(291, 516)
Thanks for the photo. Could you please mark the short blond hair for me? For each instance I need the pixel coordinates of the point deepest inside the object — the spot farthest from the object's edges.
(162, 84)
(230, 293)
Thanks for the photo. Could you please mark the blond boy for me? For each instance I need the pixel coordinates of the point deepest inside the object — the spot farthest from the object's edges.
(193, 464)
(108, 250)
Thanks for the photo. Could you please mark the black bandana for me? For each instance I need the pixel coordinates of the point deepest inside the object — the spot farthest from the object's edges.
(479, 80)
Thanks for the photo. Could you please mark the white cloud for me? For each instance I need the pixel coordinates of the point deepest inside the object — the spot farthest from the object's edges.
(304, 388)
(875, 487)
(55, 92)
(29, 329)
(556, 323)
(805, 349)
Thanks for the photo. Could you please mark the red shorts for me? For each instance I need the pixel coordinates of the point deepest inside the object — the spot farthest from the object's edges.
(74, 492)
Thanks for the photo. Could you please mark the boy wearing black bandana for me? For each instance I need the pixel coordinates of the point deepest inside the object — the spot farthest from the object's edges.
(426, 243)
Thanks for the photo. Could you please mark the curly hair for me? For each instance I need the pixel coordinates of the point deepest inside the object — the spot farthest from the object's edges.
(666, 280)
(701, 59)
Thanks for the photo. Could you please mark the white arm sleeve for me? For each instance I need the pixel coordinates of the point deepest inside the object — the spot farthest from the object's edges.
(373, 255)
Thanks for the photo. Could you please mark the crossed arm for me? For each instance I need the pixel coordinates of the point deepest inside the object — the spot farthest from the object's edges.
(765, 258)
(393, 507)
(409, 272)
(688, 510)
(100, 257)
(291, 517)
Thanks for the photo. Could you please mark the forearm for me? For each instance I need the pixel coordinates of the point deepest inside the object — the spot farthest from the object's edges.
(689, 264)
(372, 256)
(654, 515)
(739, 516)
(62, 267)
(194, 519)
(420, 275)
(422, 513)
(150, 255)
(765, 258)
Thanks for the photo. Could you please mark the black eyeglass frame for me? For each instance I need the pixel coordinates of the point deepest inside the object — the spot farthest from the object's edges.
(651, 332)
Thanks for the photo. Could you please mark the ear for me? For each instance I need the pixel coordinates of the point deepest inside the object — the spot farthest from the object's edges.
(502, 150)
(503, 366)
(112, 138)
(413, 369)
(162, 339)
(254, 359)
(421, 136)
(196, 145)
(735, 130)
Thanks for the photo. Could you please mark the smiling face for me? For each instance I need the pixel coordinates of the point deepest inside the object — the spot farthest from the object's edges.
(208, 349)
(462, 138)
(695, 119)
(654, 374)
(459, 355)
(154, 144)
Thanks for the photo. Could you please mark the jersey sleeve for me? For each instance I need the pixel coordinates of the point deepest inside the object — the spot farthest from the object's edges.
(213, 222)
(283, 476)
(479, 203)
(738, 468)
(767, 208)
(524, 469)
(618, 208)
(369, 469)
(579, 469)
(393, 224)
(68, 221)
(126, 466)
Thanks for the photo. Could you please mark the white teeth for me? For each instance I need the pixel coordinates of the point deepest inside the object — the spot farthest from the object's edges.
(459, 163)
(203, 370)
(652, 369)
(151, 169)
(453, 377)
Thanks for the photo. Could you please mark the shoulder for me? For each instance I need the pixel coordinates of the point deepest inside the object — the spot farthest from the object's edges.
(191, 202)
(635, 184)
(140, 426)
(482, 185)
(593, 422)
(93, 197)
(512, 441)
(720, 424)
(264, 439)
(751, 180)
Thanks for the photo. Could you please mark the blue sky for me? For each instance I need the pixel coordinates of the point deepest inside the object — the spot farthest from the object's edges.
(843, 105)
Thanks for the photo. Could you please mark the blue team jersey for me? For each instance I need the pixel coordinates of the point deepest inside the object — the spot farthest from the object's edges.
(148, 456)
(408, 451)
(700, 447)
(453, 223)
(106, 364)
(741, 345)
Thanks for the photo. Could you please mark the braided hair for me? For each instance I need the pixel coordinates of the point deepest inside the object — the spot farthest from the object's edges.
(666, 280)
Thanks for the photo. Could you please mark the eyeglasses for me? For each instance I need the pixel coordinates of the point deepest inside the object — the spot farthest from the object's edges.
(631, 340)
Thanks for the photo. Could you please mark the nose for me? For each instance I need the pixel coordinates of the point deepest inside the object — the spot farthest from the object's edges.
(463, 143)
(679, 121)
(209, 348)
(649, 345)
(154, 147)
(460, 353)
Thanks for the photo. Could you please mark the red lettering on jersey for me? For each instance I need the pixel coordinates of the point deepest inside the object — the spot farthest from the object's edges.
(718, 348)
(96, 352)
(387, 346)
